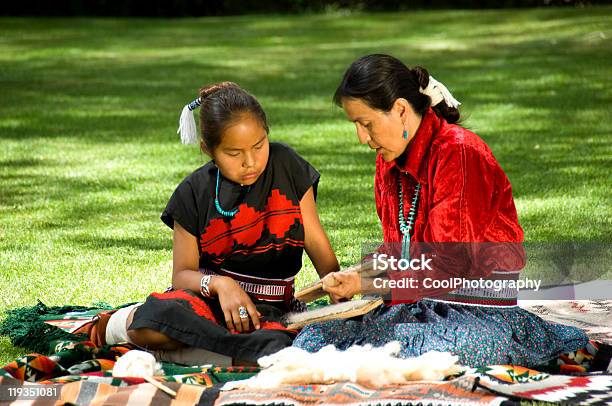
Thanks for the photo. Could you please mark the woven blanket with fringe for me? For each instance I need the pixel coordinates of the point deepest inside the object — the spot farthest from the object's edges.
(82, 372)
(492, 385)
(480, 388)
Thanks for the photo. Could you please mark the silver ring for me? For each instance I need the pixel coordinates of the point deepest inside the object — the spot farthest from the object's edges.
(242, 312)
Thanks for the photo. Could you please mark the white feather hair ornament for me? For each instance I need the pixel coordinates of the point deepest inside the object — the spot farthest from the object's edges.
(187, 126)
(438, 92)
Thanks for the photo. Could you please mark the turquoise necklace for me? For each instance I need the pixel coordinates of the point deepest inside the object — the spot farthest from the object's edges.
(407, 228)
(220, 210)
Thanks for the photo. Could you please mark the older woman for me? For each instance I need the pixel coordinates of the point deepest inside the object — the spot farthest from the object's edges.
(436, 182)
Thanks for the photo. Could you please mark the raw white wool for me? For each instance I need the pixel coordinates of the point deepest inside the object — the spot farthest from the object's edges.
(136, 363)
(366, 365)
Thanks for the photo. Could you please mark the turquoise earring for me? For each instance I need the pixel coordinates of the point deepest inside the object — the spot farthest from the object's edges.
(405, 134)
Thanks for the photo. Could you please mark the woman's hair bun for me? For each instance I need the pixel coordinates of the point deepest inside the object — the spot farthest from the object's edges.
(421, 76)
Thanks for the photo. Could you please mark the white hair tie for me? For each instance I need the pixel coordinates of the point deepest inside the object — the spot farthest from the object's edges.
(438, 92)
(187, 125)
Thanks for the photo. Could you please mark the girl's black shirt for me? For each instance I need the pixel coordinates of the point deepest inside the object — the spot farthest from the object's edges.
(265, 238)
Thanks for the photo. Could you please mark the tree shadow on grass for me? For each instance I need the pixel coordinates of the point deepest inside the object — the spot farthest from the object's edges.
(129, 87)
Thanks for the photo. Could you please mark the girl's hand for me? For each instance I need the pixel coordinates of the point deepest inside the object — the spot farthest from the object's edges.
(342, 285)
(231, 298)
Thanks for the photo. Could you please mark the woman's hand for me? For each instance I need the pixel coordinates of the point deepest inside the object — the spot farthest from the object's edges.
(232, 297)
(342, 285)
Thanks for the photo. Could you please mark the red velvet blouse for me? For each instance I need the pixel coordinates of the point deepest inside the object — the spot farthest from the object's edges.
(465, 195)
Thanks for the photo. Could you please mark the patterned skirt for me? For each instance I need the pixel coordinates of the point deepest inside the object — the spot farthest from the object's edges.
(478, 335)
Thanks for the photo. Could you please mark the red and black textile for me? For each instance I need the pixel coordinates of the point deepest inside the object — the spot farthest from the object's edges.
(265, 238)
(279, 292)
(197, 322)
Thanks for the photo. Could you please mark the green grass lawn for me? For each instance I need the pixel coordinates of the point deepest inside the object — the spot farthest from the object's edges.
(89, 110)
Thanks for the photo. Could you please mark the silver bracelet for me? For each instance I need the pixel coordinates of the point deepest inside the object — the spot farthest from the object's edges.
(204, 282)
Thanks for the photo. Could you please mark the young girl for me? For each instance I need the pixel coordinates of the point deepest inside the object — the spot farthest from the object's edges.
(439, 184)
(241, 223)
